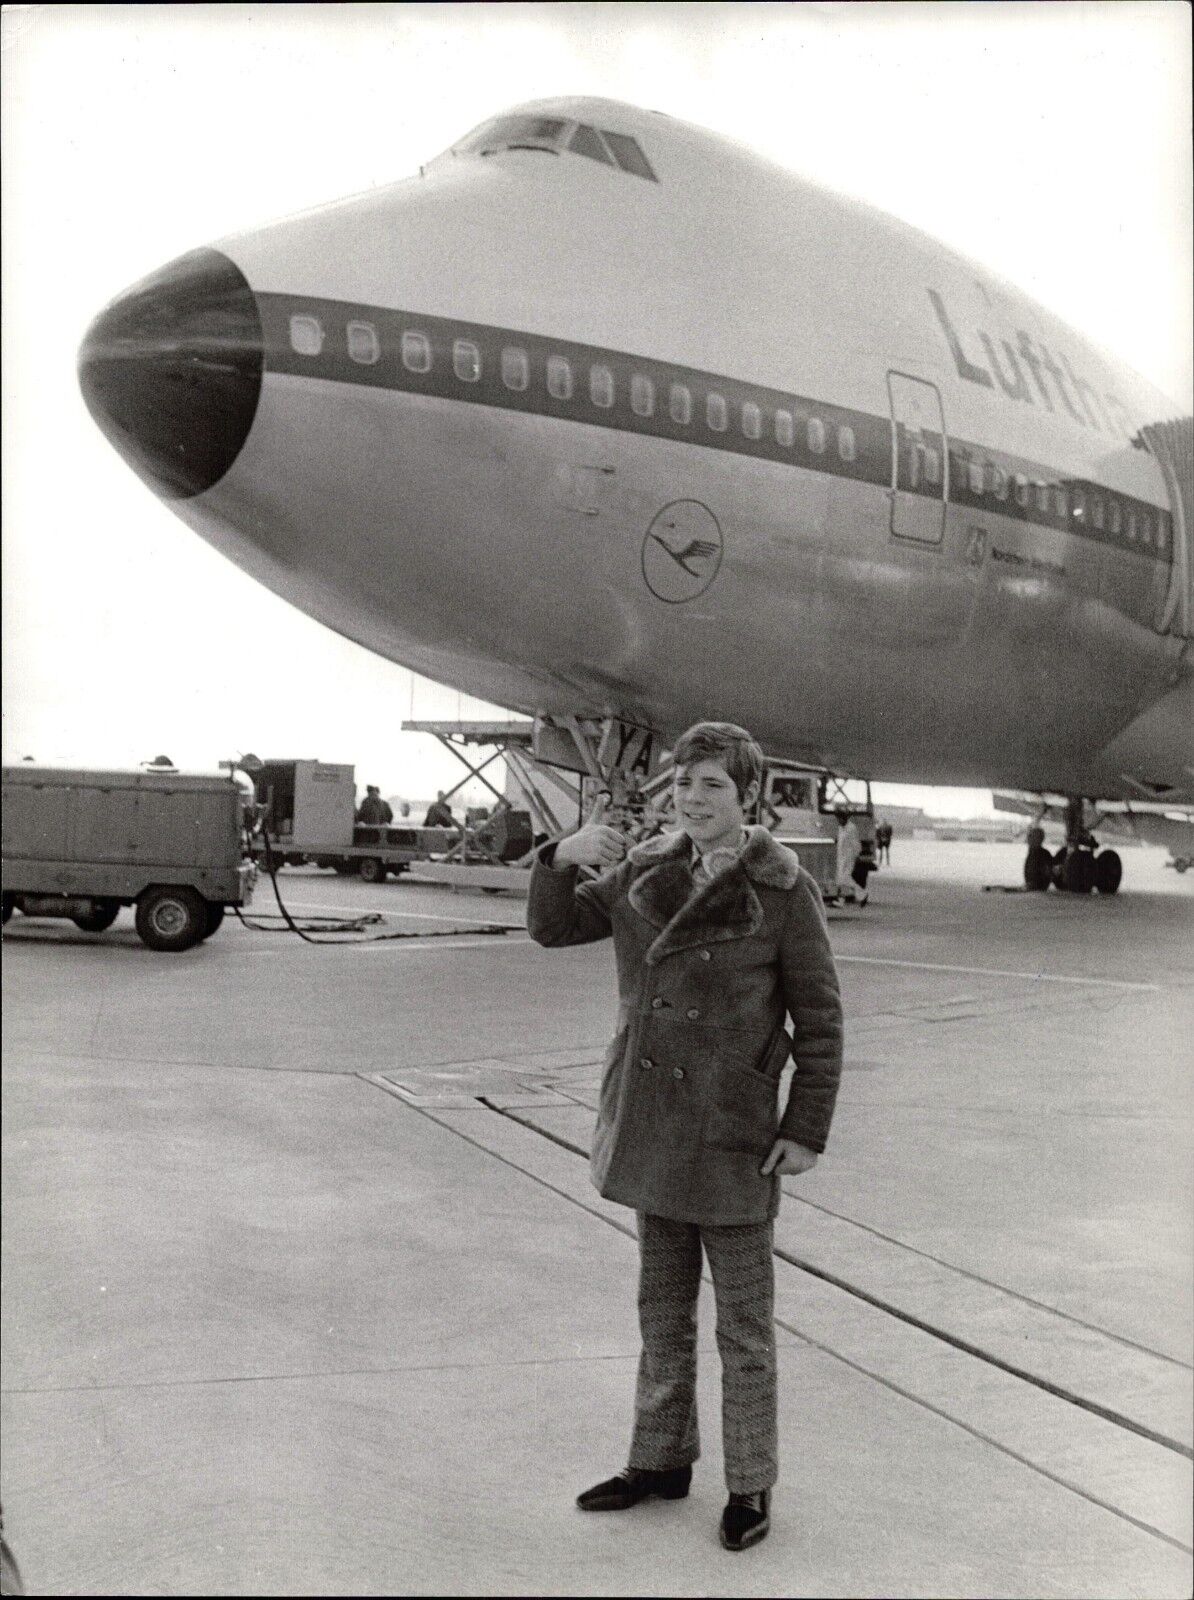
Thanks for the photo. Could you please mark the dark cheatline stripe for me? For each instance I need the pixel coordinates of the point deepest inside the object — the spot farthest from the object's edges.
(377, 331)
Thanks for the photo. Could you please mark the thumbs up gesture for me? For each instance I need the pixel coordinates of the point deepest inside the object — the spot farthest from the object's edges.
(597, 844)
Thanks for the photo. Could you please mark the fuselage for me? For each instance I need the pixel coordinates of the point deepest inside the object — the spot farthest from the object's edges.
(663, 431)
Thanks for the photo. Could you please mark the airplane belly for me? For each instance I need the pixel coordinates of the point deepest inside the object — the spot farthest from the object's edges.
(535, 562)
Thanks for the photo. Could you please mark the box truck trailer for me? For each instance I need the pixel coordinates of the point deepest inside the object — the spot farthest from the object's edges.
(82, 844)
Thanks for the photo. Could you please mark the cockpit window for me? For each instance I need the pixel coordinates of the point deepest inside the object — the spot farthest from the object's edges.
(587, 141)
(628, 154)
(517, 133)
(555, 135)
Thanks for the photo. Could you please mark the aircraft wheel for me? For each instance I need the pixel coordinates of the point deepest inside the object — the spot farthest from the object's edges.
(102, 915)
(1108, 871)
(171, 917)
(1181, 863)
(1078, 873)
(1038, 868)
(373, 870)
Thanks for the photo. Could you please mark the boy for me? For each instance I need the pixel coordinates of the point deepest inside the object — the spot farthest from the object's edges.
(718, 933)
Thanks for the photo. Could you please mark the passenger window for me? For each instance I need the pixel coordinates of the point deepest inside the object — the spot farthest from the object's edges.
(516, 367)
(1042, 497)
(816, 435)
(306, 335)
(1001, 482)
(601, 387)
(1078, 503)
(1021, 489)
(976, 477)
(587, 141)
(363, 343)
(1162, 535)
(416, 352)
(559, 378)
(629, 155)
(752, 420)
(1146, 529)
(717, 413)
(1060, 501)
(1132, 526)
(679, 404)
(466, 361)
(1116, 517)
(1097, 502)
(847, 449)
(785, 429)
(642, 395)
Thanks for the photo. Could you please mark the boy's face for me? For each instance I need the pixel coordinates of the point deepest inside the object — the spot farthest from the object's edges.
(707, 803)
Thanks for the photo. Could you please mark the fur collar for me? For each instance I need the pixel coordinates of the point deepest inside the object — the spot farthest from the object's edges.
(764, 860)
(726, 907)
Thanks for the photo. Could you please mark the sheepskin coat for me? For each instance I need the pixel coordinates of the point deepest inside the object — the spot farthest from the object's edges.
(706, 975)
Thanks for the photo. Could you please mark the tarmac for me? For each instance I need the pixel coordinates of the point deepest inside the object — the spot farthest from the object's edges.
(306, 1290)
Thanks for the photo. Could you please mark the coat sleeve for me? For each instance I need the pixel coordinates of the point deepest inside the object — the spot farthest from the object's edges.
(814, 1003)
(561, 910)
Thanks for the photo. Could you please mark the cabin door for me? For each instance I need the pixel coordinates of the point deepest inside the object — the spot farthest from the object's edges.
(919, 460)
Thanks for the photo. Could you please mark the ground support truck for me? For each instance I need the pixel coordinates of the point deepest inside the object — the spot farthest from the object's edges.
(82, 844)
(307, 811)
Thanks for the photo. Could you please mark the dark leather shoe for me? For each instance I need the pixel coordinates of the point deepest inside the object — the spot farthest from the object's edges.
(746, 1519)
(633, 1484)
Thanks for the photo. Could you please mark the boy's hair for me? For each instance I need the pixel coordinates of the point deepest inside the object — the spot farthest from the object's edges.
(727, 743)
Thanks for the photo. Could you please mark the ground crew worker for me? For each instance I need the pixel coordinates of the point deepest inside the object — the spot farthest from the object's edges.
(849, 848)
(439, 813)
(374, 811)
(718, 933)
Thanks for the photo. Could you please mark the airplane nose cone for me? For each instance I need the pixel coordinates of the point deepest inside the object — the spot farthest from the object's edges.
(171, 372)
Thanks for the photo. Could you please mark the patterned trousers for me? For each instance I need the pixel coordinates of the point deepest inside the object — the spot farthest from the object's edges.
(665, 1403)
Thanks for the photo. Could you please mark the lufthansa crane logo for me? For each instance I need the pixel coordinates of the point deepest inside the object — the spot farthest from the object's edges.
(681, 552)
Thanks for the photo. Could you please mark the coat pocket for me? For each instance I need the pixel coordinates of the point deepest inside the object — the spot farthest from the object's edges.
(742, 1112)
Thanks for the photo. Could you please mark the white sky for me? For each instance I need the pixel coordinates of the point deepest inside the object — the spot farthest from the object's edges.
(1049, 141)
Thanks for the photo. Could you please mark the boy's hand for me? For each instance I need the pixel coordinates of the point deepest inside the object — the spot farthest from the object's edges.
(596, 844)
(788, 1159)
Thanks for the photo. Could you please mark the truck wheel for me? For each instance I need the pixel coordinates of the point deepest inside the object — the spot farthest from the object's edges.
(102, 915)
(171, 918)
(373, 870)
(214, 916)
(9, 903)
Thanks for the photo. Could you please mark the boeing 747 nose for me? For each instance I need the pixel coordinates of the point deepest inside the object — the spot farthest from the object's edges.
(171, 371)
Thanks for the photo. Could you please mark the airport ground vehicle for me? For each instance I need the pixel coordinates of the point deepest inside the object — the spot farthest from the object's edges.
(308, 808)
(81, 844)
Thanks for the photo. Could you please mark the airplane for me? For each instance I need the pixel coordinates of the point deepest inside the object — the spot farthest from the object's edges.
(605, 418)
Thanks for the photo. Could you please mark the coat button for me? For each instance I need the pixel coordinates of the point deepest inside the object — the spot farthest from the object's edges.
(692, 1014)
(677, 1072)
(706, 955)
(646, 1063)
(657, 1004)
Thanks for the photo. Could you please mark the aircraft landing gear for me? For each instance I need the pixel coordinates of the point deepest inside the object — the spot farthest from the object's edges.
(1076, 868)
(1038, 863)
